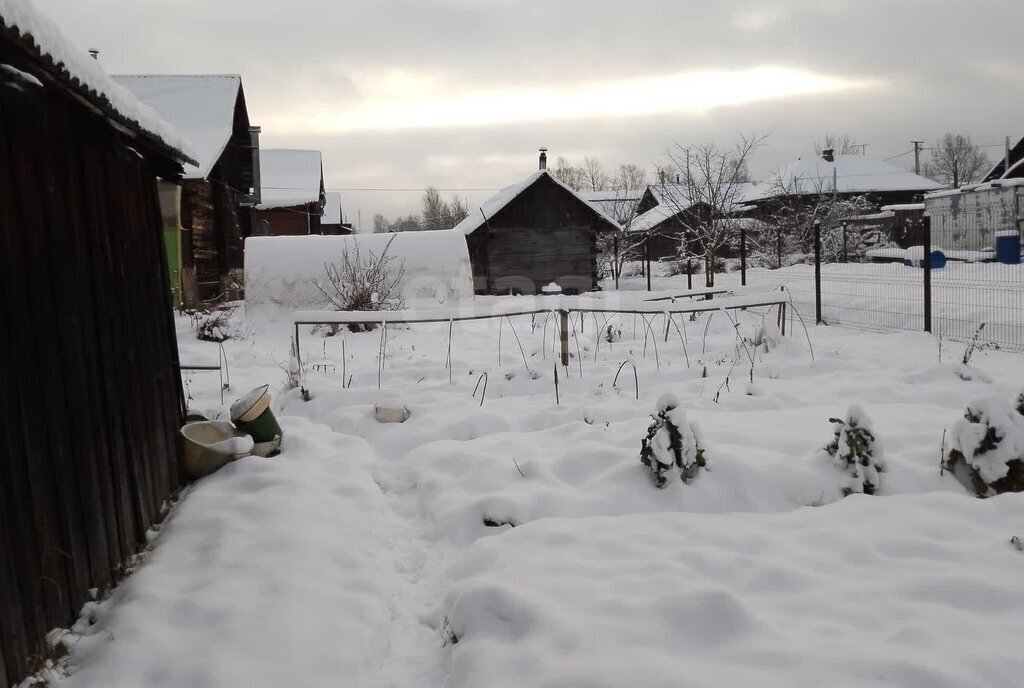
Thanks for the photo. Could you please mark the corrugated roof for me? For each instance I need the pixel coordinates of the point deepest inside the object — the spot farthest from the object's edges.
(45, 44)
(200, 106)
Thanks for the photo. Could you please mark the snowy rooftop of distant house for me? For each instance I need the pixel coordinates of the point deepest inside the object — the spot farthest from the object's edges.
(851, 174)
(495, 203)
(652, 218)
(290, 177)
(201, 106)
(332, 210)
(77, 70)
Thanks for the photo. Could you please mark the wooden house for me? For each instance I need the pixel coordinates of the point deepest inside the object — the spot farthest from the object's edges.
(843, 177)
(292, 196)
(1009, 166)
(532, 234)
(218, 192)
(331, 223)
(665, 215)
(92, 399)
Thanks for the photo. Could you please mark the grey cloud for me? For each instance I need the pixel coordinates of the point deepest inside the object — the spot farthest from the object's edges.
(947, 65)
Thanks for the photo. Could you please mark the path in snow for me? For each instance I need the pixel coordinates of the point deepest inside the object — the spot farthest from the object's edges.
(293, 571)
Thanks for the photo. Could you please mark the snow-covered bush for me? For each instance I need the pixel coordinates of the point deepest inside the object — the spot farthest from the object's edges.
(213, 327)
(856, 451)
(988, 447)
(672, 444)
(364, 282)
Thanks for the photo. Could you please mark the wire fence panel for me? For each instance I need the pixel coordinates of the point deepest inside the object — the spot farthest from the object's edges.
(872, 275)
(980, 283)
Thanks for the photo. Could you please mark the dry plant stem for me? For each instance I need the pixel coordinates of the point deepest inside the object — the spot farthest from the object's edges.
(636, 380)
(522, 352)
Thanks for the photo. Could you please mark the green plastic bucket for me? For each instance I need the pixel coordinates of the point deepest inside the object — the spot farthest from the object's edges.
(252, 415)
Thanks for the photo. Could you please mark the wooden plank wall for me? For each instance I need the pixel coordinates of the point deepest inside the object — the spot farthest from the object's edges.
(91, 401)
(545, 234)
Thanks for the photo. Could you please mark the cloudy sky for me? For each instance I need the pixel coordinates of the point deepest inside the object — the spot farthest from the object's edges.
(459, 94)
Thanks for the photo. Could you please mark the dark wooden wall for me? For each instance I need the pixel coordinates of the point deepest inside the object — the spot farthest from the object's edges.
(91, 399)
(213, 232)
(544, 235)
(295, 221)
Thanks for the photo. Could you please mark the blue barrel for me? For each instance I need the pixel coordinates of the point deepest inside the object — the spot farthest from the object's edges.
(1008, 247)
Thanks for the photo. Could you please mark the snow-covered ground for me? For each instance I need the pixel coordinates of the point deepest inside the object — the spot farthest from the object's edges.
(504, 539)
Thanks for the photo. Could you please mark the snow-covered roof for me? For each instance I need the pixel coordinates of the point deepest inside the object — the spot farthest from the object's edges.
(851, 174)
(332, 210)
(677, 194)
(45, 44)
(290, 177)
(652, 218)
(201, 106)
(495, 203)
(903, 206)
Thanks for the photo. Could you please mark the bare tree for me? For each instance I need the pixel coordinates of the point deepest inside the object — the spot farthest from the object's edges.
(456, 210)
(708, 190)
(568, 174)
(842, 144)
(364, 282)
(381, 224)
(624, 245)
(797, 205)
(956, 160)
(434, 210)
(594, 176)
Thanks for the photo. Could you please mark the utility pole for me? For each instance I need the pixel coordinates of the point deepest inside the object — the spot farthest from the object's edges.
(917, 156)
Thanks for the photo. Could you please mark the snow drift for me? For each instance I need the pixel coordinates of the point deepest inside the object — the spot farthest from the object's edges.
(283, 272)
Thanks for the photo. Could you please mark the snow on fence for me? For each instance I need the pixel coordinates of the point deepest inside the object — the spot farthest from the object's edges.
(283, 272)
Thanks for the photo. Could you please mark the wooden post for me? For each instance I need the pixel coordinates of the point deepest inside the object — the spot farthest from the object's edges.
(743, 256)
(689, 274)
(647, 259)
(564, 321)
(927, 222)
(615, 259)
(817, 272)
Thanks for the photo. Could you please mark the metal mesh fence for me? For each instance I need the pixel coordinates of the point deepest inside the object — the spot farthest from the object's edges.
(873, 274)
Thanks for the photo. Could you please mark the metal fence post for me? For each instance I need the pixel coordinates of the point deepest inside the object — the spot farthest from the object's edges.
(817, 271)
(846, 254)
(927, 222)
(689, 273)
(743, 256)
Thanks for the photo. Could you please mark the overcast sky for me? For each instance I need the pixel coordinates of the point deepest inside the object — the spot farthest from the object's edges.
(459, 94)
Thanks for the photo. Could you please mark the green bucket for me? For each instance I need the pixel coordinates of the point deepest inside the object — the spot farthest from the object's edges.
(252, 415)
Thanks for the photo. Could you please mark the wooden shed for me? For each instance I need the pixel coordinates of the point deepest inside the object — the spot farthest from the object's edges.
(92, 400)
(532, 234)
(292, 196)
(218, 192)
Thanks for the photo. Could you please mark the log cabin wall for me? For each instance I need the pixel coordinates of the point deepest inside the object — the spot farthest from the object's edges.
(544, 235)
(92, 398)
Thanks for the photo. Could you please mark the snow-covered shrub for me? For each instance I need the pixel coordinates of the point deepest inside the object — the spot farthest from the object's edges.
(988, 447)
(213, 327)
(672, 444)
(364, 282)
(767, 337)
(856, 451)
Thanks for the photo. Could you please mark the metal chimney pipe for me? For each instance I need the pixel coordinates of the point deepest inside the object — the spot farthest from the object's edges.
(94, 53)
(543, 159)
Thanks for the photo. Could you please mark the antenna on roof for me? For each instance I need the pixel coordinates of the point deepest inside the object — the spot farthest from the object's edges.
(94, 53)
